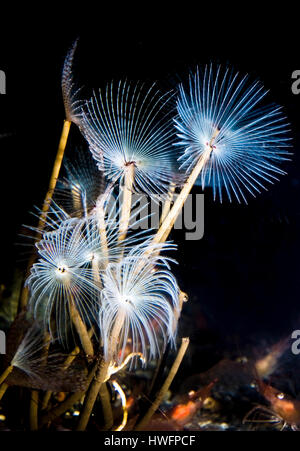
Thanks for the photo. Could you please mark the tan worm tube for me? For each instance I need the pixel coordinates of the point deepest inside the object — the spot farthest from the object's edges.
(81, 330)
(55, 172)
(115, 335)
(48, 198)
(33, 413)
(100, 214)
(166, 226)
(102, 375)
(106, 406)
(102, 231)
(69, 360)
(127, 199)
(68, 403)
(183, 297)
(166, 385)
(6, 373)
(96, 386)
(168, 201)
(46, 399)
(3, 389)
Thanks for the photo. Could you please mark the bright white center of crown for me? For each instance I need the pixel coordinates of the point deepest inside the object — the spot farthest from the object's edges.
(62, 270)
(126, 300)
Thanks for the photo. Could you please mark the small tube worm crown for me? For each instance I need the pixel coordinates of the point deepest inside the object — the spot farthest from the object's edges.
(223, 117)
(129, 124)
(141, 294)
(69, 91)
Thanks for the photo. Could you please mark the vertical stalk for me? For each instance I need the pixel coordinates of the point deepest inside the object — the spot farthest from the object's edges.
(127, 199)
(69, 360)
(103, 236)
(183, 297)
(101, 376)
(46, 399)
(47, 201)
(55, 172)
(68, 403)
(33, 413)
(166, 385)
(100, 213)
(106, 407)
(81, 330)
(98, 388)
(115, 335)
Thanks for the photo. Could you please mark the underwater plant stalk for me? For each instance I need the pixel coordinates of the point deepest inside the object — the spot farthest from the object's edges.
(144, 421)
(103, 392)
(3, 389)
(127, 199)
(100, 378)
(46, 399)
(166, 226)
(6, 373)
(115, 334)
(102, 231)
(100, 214)
(183, 297)
(48, 198)
(69, 360)
(33, 412)
(106, 406)
(102, 375)
(81, 330)
(68, 403)
(55, 172)
(167, 203)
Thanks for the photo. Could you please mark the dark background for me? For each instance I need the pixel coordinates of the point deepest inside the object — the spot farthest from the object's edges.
(243, 276)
